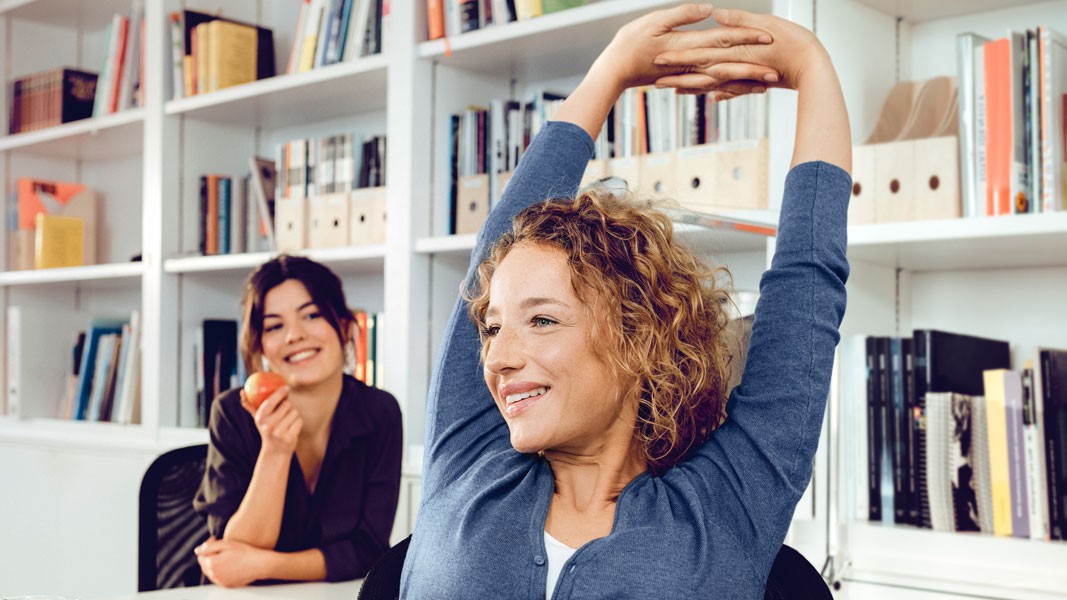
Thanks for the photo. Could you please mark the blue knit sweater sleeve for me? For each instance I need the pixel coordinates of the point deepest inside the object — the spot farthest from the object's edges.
(754, 468)
(462, 421)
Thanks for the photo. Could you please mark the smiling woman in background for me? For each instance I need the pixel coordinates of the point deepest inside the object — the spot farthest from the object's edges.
(595, 451)
(305, 486)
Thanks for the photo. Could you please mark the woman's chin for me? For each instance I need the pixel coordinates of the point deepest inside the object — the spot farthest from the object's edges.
(525, 445)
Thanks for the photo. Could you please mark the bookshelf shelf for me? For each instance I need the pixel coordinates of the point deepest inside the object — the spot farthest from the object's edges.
(992, 242)
(972, 564)
(102, 275)
(66, 434)
(63, 13)
(457, 245)
(549, 46)
(918, 12)
(355, 259)
(282, 101)
(112, 136)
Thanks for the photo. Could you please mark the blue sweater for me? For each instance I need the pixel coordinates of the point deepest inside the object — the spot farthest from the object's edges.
(709, 527)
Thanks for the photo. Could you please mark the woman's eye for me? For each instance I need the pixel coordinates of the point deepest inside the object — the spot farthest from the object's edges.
(272, 327)
(491, 330)
(313, 315)
(542, 322)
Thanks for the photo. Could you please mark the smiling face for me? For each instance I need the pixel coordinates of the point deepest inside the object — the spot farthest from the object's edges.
(554, 389)
(298, 341)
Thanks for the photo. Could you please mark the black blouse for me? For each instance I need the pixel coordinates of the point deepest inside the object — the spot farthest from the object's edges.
(350, 515)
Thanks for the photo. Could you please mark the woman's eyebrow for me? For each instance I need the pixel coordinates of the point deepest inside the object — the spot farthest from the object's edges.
(528, 303)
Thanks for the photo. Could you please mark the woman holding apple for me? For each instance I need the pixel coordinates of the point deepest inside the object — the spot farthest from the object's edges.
(303, 468)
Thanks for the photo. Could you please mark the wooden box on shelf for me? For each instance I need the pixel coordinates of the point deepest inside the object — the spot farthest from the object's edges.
(367, 216)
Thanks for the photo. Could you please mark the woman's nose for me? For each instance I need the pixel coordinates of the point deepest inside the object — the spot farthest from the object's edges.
(505, 352)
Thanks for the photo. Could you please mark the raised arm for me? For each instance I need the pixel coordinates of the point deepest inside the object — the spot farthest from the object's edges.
(462, 421)
(756, 466)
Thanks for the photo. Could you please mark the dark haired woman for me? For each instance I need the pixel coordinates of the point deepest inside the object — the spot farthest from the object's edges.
(305, 487)
(595, 451)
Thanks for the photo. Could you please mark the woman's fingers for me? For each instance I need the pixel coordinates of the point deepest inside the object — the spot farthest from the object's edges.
(735, 17)
(686, 14)
(718, 75)
(722, 37)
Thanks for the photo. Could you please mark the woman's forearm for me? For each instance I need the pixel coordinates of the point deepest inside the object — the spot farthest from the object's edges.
(258, 519)
(306, 565)
(823, 131)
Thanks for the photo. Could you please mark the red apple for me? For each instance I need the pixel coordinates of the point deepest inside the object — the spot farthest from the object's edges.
(260, 385)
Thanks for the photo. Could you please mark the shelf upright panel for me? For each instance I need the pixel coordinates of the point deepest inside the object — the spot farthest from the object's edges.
(159, 380)
(408, 181)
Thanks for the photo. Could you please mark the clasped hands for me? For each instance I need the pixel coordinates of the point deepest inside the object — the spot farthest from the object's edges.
(746, 54)
(230, 563)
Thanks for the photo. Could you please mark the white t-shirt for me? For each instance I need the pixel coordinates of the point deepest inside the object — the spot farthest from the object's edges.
(558, 553)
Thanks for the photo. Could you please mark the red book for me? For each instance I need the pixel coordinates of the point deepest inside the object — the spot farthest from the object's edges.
(998, 126)
(118, 64)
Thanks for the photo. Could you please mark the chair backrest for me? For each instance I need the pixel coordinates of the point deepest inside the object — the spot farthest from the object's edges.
(169, 528)
(383, 579)
(792, 577)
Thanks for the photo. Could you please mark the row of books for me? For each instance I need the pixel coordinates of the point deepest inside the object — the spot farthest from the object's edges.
(51, 98)
(333, 31)
(946, 436)
(330, 164)
(120, 84)
(104, 375)
(650, 120)
(237, 218)
(218, 367)
(1013, 94)
(453, 17)
(51, 224)
(210, 52)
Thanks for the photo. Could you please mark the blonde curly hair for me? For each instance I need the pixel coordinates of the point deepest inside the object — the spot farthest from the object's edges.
(666, 313)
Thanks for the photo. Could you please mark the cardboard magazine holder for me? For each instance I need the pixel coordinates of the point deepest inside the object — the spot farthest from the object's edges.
(366, 216)
(328, 221)
(657, 175)
(290, 224)
(861, 205)
(472, 203)
(714, 177)
(627, 169)
(594, 172)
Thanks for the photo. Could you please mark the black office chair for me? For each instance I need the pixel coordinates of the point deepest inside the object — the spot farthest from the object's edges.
(792, 577)
(169, 529)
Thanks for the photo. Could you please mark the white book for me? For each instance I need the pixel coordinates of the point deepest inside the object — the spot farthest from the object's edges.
(298, 37)
(1021, 202)
(1053, 59)
(363, 12)
(177, 56)
(1034, 440)
(969, 82)
(1033, 119)
(128, 390)
(939, 467)
(103, 87)
(980, 177)
(260, 188)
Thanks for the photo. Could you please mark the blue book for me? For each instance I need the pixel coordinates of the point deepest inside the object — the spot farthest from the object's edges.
(336, 51)
(97, 328)
(225, 204)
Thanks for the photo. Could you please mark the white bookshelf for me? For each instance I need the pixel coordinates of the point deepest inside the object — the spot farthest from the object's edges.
(282, 101)
(147, 162)
(103, 138)
(107, 274)
(953, 275)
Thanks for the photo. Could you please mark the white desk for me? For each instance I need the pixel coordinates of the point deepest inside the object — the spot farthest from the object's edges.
(346, 590)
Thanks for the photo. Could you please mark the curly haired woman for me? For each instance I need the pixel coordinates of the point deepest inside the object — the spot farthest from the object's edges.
(604, 456)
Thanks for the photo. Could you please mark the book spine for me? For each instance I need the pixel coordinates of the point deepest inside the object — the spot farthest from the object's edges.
(202, 220)
(908, 425)
(920, 385)
(896, 362)
(225, 200)
(211, 232)
(1020, 517)
(885, 425)
(998, 451)
(874, 438)
(1055, 421)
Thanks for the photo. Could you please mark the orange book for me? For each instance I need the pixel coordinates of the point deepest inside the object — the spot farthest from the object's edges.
(211, 218)
(435, 18)
(361, 347)
(998, 126)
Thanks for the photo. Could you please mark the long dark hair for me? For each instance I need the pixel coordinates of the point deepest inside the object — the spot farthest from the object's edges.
(322, 285)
